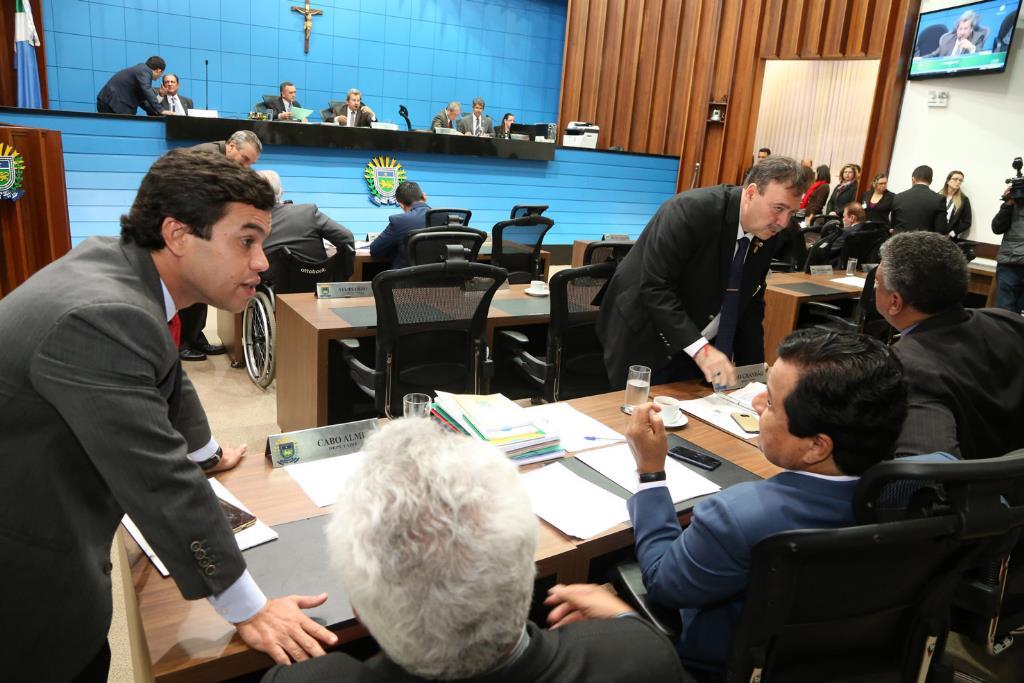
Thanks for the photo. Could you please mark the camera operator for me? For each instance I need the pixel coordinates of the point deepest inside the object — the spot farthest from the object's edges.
(1009, 222)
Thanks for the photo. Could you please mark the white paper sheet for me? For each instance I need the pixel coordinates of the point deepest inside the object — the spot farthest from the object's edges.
(851, 280)
(322, 479)
(573, 427)
(718, 411)
(571, 503)
(616, 463)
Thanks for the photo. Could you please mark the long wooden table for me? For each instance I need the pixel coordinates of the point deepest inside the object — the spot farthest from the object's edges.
(786, 292)
(188, 641)
(981, 279)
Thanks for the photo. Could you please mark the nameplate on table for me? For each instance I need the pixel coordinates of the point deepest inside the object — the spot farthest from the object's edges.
(821, 270)
(317, 443)
(343, 290)
(746, 374)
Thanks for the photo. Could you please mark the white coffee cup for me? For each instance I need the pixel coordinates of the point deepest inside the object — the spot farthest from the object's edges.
(538, 286)
(669, 408)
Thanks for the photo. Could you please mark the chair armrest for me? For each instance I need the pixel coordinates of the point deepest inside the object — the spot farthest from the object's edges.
(629, 584)
(364, 376)
(514, 336)
(537, 368)
(822, 308)
(349, 344)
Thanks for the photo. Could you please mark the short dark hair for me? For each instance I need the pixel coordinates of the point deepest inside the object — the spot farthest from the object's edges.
(823, 173)
(284, 85)
(851, 388)
(195, 188)
(782, 170)
(925, 268)
(765, 150)
(923, 173)
(408, 193)
(156, 63)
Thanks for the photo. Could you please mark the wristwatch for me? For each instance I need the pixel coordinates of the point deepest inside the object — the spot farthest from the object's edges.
(649, 477)
(215, 458)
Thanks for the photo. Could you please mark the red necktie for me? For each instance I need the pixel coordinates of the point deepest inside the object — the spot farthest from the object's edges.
(174, 325)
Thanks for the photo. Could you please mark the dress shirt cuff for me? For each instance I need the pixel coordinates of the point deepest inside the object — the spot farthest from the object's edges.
(241, 601)
(651, 485)
(205, 453)
(696, 346)
(626, 615)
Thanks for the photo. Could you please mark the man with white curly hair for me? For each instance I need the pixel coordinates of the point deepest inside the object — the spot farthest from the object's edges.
(434, 540)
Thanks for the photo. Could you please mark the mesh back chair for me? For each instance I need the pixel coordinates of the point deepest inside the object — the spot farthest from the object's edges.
(289, 273)
(606, 250)
(988, 606)
(431, 324)
(866, 318)
(573, 365)
(819, 254)
(521, 210)
(444, 217)
(429, 245)
(928, 40)
(864, 244)
(515, 246)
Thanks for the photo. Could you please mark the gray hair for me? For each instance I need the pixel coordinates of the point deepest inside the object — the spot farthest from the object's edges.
(453, 105)
(969, 15)
(170, 74)
(479, 100)
(275, 183)
(433, 538)
(246, 137)
(925, 268)
(778, 169)
(353, 91)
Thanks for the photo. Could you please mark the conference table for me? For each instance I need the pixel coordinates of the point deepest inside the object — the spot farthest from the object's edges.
(787, 292)
(188, 641)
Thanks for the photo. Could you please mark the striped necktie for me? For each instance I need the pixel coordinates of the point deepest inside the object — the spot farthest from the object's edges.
(725, 342)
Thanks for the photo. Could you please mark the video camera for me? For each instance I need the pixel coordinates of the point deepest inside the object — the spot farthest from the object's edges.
(1017, 183)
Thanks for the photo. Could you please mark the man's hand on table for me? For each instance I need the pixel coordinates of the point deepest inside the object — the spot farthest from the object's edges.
(282, 631)
(647, 438)
(716, 366)
(580, 602)
(229, 458)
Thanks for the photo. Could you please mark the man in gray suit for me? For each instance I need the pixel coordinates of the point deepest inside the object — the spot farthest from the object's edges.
(97, 419)
(478, 123)
(171, 100)
(303, 227)
(966, 39)
(447, 117)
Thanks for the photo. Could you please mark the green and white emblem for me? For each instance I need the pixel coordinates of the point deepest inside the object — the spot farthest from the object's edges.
(383, 176)
(12, 173)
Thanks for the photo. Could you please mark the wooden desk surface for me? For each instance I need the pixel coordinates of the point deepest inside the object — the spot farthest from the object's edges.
(188, 641)
(782, 305)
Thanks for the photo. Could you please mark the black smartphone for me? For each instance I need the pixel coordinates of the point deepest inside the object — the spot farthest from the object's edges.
(695, 458)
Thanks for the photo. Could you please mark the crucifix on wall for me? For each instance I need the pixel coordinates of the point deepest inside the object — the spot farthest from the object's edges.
(307, 25)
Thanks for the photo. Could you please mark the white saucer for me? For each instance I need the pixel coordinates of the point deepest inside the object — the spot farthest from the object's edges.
(537, 292)
(681, 422)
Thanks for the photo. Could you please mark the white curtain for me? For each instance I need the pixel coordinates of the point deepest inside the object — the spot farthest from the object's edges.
(817, 109)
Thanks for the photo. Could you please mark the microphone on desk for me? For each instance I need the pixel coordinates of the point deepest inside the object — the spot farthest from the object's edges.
(404, 113)
(206, 78)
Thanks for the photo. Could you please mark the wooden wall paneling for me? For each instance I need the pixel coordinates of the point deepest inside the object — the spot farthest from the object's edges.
(856, 36)
(700, 94)
(814, 28)
(684, 71)
(837, 29)
(745, 95)
(661, 110)
(792, 30)
(771, 33)
(647, 70)
(593, 56)
(881, 17)
(625, 95)
(572, 66)
(731, 22)
(608, 104)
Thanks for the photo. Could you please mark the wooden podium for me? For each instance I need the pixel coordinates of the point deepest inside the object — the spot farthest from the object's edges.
(34, 230)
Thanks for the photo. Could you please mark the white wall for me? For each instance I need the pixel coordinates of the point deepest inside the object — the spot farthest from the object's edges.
(979, 133)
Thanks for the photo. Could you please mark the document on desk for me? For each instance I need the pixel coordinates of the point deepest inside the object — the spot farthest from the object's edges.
(851, 280)
(617, 463)
(322, 479)
(571, 503)
(718, 409)
(578, 431)
(257, 534)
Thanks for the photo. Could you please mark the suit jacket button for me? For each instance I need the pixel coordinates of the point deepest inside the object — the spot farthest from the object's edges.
(196, 545)
(204, 563)
(200, 554)
(210, 569)
(107, 567)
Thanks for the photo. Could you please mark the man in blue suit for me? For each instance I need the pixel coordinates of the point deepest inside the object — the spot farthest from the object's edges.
(131, 88)
(390, 244)
(834, 407)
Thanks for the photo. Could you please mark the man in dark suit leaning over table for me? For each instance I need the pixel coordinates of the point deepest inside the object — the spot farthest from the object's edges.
(390, 244)
(97, 416)
(834, 406)
(964, 367)
(697, 274)
(919, 208)
(433, 539)
(131, 88)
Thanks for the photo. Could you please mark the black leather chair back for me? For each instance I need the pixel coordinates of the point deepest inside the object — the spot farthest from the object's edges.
(289, 273)
(444, 217)
(521, 210)
(428, 245)
(516, 246)
(864, 244)
(606, 250)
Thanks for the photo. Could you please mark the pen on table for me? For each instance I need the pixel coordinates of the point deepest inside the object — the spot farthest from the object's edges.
(604, 438)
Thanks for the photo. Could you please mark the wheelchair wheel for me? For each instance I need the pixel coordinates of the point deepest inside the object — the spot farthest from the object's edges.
(259, 333)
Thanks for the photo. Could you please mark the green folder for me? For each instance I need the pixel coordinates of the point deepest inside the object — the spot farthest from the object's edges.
(298, 113)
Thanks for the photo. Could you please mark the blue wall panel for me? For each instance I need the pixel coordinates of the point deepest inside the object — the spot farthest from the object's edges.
(590, 193)
(421, 53)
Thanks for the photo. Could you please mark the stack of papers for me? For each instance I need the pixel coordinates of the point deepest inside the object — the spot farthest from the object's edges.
(617, 463)
(322, 479)
(717, 409)
(572, 504)
(500, 422)
(578, 431)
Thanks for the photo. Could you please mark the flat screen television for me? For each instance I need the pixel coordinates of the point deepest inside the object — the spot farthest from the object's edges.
(966, 39)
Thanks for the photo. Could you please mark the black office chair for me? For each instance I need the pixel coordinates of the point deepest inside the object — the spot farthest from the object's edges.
(790, 249)
(431, 325)
(988, 606)
(928, 40)
(288, 273)
(444, 217)
(605, 251)
(1005, 34)
(820, 254)
(516, 246)
(864, 317)
(573, 364)
(521, 210)
(326, 115)
(429, 245)
(864, 244)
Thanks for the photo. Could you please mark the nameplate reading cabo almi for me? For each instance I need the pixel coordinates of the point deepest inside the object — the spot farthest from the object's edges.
(319, 442)
(343, 290)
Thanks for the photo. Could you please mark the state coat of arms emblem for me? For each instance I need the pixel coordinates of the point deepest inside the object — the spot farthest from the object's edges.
(383, 176)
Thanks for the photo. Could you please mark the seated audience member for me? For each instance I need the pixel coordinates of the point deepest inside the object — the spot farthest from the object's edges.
(834, 407)
(845, 192)
(390, 244)
(963, 366)
(131, 88)
(477, 123)
(353, 113)
(817, 194)
(447, 117)
(966, 39)
(282, 105)
(243, 147)
(877, 201)
(504, 129)
(807, 163)
(302, 227)
(919, 208)
(433, 539)
(171, 100)
(958, 206)
(853, 219)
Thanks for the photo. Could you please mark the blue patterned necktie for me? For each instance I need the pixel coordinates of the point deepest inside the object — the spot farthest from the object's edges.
(725, 341)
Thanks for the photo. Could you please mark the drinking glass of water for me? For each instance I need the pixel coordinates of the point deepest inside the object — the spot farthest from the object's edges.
(638, 386)
(851, 266)
(416, 405)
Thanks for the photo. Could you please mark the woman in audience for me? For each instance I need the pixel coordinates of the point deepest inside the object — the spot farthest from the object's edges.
(814, 200)
(846, 190)
(877, 201)
(504, 129)
(958, 206)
